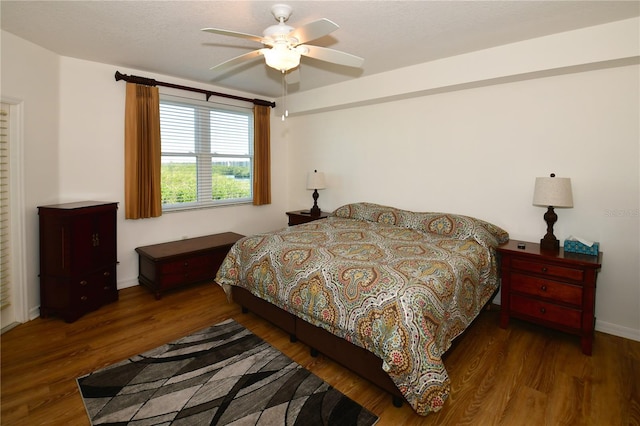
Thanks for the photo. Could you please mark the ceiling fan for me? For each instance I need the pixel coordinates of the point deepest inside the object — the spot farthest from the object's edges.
(284, 45)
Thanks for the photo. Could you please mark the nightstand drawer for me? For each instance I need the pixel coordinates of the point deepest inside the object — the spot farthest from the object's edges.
(556, 291)
(298, 217)
(548, 269)
(546, 312)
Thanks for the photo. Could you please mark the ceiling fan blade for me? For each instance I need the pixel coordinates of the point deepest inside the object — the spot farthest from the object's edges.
(330, 55)
(313, 30)
(237, 60)
(234, 34)
(292, 76)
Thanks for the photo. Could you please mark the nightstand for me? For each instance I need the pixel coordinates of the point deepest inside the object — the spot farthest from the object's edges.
(557, 290)
(298, 217)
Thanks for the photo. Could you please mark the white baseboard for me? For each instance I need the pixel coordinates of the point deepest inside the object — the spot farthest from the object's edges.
(618, 330)
(34, 313)
(132, 282)
(9, 327)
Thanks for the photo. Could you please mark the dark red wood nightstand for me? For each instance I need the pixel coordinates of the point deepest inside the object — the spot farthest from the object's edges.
(554, 289)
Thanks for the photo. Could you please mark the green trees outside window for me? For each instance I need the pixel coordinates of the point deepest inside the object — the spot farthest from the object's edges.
(179, 182)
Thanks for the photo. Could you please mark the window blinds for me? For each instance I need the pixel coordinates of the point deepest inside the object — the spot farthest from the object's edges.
(207, 153)
(5, 252)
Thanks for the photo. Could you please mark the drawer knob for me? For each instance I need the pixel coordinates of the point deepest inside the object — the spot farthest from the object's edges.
(186, 263)
(543, 310)
(543, 288)
(544, 269)
(83, 298)
(107, 274)
(83, 282)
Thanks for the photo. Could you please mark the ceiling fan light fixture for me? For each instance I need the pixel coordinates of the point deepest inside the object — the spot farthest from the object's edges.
(283, 45)
(281, 57)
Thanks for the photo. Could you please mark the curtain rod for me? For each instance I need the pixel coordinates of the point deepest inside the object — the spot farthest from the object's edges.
(151, 82)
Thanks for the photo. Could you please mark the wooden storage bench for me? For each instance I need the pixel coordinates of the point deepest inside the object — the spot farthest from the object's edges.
(167, 266)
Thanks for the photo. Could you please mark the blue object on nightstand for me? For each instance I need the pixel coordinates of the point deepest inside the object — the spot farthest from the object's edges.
(578, 247)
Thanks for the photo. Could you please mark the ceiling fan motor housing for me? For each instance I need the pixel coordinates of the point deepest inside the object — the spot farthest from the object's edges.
(277, 31)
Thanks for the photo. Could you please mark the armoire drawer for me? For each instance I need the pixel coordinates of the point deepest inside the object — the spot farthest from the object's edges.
(93, 290)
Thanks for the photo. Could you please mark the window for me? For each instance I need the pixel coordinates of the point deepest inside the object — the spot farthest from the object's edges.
(207, 154)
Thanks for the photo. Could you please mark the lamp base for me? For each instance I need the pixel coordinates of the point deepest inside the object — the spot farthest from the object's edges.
(315, 210)
(548, 244)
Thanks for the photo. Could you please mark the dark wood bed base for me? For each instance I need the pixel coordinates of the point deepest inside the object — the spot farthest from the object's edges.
(356, 359)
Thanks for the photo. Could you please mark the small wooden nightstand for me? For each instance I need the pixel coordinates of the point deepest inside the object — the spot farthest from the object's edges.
(557, 290)
(297, 217)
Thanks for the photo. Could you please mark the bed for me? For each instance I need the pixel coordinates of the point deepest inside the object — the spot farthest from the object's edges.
(383, 291)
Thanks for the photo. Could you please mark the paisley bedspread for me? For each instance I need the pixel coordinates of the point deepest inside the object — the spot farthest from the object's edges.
(400, 284)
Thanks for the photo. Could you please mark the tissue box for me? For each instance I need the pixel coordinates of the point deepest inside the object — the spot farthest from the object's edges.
(578, 247)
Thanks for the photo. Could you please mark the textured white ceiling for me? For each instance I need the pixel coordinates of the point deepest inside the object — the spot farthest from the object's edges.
(164, 36)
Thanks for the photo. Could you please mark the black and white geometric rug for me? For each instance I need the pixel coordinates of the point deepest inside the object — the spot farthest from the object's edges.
(222, 375)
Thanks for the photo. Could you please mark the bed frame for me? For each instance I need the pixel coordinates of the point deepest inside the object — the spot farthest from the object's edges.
(353, 357)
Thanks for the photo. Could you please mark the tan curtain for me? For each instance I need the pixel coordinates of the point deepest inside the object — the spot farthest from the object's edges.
(142, 152)
(261, 155)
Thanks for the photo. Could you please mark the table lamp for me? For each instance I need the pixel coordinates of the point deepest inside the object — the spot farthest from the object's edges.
(315, 181)
(552, 192)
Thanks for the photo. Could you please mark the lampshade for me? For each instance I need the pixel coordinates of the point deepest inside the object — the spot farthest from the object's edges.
(316, 180)
(553, 191)
(281, 57)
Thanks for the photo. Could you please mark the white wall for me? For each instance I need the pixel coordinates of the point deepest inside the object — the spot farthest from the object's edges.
(30, 77)
(92, 164)
(74, 150)
(475, 146)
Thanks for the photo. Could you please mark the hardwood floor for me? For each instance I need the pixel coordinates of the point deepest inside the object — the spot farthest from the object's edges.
(525, 375)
